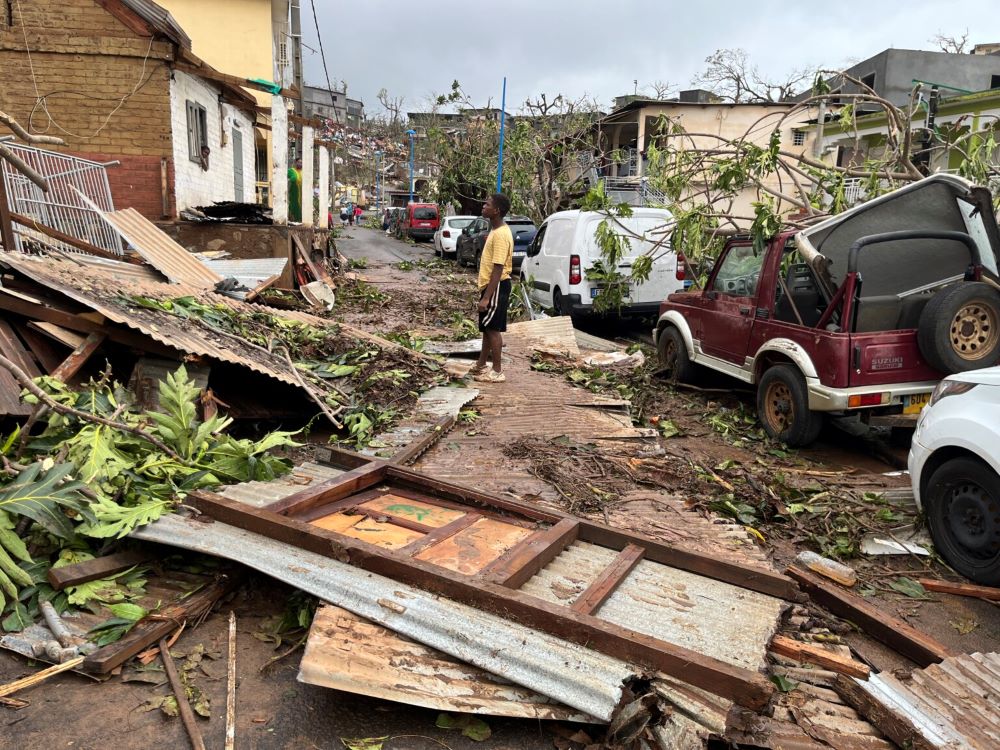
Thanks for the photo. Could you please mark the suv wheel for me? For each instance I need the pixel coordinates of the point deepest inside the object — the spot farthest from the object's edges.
(677, 367)
(959, 328)
(962, 503)
(783, 407)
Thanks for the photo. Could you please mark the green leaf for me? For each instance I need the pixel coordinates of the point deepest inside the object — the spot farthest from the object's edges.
(472, 727)
(43, 496)
(116, 521)
(17, 620)
(668, 429)
(909, 587)
(365, 743)
(783, 684)
(128, 611)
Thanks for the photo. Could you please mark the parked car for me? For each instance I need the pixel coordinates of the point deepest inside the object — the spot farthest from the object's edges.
(954, 466)
(911, 305)
(565, 247)
(469, 247)
(419, 221)
(451, 229)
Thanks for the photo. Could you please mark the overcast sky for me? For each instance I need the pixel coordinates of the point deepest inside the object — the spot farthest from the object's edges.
(578, 47)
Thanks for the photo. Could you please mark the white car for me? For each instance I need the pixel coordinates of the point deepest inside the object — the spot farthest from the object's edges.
(447, 235)
(564, 248)
(954, 466)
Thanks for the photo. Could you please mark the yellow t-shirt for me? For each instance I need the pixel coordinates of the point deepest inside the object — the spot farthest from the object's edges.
(499, 249)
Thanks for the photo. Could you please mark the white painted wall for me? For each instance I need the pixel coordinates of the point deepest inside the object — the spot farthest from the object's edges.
(193, 185)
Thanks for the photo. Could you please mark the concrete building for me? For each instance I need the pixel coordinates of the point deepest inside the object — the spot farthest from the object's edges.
(893, 72)
(248, 39)
(628, 132)
(113, 80)
(319, 102)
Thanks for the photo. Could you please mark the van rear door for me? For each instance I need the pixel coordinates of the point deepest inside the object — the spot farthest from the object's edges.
(646, 235)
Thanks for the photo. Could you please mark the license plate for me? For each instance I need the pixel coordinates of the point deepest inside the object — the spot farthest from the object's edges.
(594, 292)
(913, 404)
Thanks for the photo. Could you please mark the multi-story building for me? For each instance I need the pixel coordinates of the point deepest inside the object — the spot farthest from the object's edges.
(332, 105)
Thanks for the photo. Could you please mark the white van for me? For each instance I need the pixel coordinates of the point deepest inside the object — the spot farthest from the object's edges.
(565, 247)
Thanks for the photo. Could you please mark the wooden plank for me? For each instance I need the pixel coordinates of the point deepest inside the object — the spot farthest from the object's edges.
(318, 274)
(748, 688)
(78, 357)
(99, 567)
(893, 632)
(417, 448)
(751, 577)
(59, 334)
(609, 580)
(897, 727)
(41, 346)
(156, 626)
(72, 241)
(814, 653)
(6, 227)
(536, 551)
(75, 322)
(961, 589)
(472, 550)
(265, 284)
(337, 488)
(441, 533)
(14, 350)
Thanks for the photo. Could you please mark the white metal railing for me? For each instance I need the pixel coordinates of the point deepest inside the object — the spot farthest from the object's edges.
(61, 207)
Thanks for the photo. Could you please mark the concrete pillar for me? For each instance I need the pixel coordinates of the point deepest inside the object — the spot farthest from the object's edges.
(308, 182)
(324, 187)
(640, 144)
(279, 160)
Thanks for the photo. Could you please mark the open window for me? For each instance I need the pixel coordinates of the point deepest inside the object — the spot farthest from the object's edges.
(197, 131)
(798, 298)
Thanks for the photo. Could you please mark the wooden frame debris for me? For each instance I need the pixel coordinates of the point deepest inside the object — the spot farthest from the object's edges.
(893, 632)
(480, 549)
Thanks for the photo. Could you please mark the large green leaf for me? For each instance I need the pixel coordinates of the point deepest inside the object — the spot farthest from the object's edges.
(94, 453)
(115, 520)
(45, 496)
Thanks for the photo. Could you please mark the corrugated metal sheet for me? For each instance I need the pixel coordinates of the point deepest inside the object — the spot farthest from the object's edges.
(159, 250)
(259, 494)
(708, 616)
(576, 676)
(948, 705)
(160, 19)
(548, 334)
(346, 652)
(250, 272)
(440, 401)
(119, 269)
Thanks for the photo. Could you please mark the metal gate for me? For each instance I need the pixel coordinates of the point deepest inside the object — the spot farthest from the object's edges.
(62, 207)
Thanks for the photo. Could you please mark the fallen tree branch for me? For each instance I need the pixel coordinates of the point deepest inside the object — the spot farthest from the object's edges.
(29, 385)
(327, 411)
(21, 166)
(17, 129)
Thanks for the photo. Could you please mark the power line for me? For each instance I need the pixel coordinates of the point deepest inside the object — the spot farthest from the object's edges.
(326, 70)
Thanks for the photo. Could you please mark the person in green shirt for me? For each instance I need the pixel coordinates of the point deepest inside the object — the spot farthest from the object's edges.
(295, 191)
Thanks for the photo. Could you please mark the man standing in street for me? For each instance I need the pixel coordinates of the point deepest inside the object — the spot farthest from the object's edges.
(295, 191)
(494, 288)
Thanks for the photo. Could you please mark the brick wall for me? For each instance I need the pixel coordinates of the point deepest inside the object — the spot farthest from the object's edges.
(97, 84)
(195, 186)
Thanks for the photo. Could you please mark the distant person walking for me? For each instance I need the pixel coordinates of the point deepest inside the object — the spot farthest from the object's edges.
(357, 215)
(385, 221)
(295, 191)
(495, 267)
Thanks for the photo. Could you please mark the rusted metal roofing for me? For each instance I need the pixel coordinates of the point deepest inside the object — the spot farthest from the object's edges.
(346, 652)
(950, 705)
(547, 334)
(259, 494)
(159, 250)
(97, 290)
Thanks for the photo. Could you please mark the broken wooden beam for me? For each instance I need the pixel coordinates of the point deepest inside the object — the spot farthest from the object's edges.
(72, 241)
(348, 483)
(78, 357)
(746, 687)
(156, 626)
(893, 632)
(898, 726)
(99, 567)
(814, 653)
(609, 580)
(961, 589)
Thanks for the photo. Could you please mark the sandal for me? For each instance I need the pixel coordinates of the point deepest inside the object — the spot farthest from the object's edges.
(490, 376)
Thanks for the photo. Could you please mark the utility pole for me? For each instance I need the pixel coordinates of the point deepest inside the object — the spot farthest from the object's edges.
(295, 36)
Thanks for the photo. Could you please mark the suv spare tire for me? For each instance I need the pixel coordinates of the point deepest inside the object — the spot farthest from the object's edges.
(959, 328)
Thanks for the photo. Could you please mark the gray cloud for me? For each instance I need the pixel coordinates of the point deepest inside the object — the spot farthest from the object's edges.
(581, 47)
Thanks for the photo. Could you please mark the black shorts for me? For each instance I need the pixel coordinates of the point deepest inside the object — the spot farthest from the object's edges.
(495, 317)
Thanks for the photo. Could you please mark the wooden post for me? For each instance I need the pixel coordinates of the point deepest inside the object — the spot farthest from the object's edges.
(308, 181)
(6, 227)
(279, 166)
(324, 187)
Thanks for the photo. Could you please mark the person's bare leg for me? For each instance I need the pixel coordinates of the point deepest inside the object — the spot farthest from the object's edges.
(484, 353)
(496, 348)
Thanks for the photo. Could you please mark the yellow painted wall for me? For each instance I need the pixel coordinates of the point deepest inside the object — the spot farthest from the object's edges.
(233, 36)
